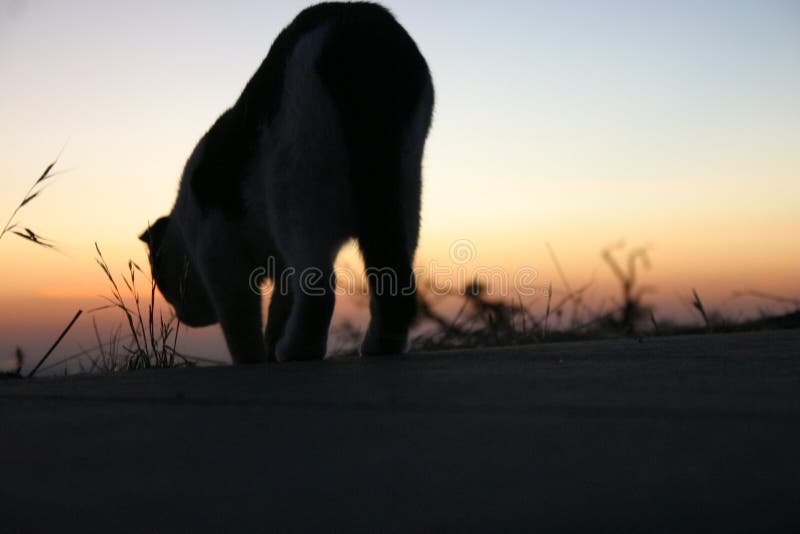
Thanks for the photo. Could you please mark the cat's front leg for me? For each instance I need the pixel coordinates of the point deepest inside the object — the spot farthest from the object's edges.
(240, 318)
(237, 302)
(305, 335)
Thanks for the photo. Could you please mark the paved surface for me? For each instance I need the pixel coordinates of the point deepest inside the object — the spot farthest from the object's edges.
(669, 434)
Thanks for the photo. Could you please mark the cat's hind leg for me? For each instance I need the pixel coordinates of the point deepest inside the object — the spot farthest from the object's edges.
(388, 237)
(280, 308)
(393, 294)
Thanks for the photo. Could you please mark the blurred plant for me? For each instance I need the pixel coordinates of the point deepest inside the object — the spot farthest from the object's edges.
(572, 298)
(631, 310)
(17, 372)
(697, 304)
(479, 320)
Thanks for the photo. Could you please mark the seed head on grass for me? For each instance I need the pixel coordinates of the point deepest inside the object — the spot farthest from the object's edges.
(153, 338)
(13, 226)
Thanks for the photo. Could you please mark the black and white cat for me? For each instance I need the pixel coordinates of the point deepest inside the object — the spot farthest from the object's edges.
(324, 144)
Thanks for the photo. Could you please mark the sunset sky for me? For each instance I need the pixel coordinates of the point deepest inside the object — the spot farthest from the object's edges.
(669, 124)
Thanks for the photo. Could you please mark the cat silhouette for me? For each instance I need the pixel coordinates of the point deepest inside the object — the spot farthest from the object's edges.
(325, 144)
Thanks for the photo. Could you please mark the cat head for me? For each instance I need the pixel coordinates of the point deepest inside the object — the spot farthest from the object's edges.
(176, 276)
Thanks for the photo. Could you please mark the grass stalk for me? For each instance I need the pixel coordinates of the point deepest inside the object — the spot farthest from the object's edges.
(57, 342)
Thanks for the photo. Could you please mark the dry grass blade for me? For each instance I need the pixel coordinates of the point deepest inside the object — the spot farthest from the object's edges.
(767, 296)
(654, 322)
(29, 198)
(46, 174)
(117, 299)
(57, 342)
(33, 237)
(547, 311)
(153, 339)
(698, 305)
(33, 192)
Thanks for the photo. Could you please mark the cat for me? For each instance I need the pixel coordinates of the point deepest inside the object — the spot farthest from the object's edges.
(324, 145)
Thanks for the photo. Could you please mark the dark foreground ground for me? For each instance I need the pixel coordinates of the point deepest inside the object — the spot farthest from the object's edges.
(670, 434)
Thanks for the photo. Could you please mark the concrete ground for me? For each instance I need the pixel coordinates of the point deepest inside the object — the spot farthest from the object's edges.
(668, 434)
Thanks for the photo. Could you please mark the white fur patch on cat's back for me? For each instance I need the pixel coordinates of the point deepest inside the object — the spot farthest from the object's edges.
(306, 155)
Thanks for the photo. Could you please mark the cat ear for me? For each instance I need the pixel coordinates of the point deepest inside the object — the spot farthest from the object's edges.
(154, 234)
